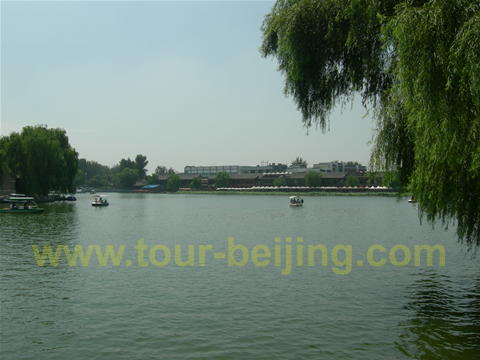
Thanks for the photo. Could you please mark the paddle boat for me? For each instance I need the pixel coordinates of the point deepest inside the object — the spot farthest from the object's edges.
(21, 205)
(100, 200)
(296, 201)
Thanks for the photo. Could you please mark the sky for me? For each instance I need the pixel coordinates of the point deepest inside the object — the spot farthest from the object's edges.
(181, 82)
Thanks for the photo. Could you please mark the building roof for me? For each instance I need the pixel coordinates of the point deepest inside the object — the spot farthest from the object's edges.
(188, 176)
(333, 175)
(244, 176)
(328, 175)
(163, 177)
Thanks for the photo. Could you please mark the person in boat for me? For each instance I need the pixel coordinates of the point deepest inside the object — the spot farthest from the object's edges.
(13, 206)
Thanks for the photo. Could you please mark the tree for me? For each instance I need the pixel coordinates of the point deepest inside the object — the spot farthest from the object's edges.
(411, 62)
(141, 163)
(97, 181)
(115, 170)
(352, 181)
(79, 179)
(351, 163)
(127, 178)
(126, 164)
(41, 158)
(92, 168)
(222, 179)
(162, 170)
(280, 181)
(196, 183)
(313, 178)
(300, 162)
(152, 179)
(3, 164)
(173, 183)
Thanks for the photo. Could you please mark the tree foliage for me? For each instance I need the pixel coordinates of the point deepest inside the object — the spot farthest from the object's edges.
(416, 65)
(126, 163)
(128, 177)
(162, 170)
(352, 181)
(313, 178)
(152, 179)
(3, 158)
(92, 168)
(222, 179)
(300, 162)
(41, 158)
(280, 181)
(141, 163)
(196, 183)
(173, 183)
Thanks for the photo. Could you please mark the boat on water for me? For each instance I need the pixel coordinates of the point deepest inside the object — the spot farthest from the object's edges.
(70, 197)
(93, 191)
(412, 200)
(100, 200)
(21, 205)
(296, 201)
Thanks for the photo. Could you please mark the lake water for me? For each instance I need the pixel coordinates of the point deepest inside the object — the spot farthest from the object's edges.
(244, 311)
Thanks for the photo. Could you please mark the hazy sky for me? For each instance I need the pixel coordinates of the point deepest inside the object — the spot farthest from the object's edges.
(180, 82)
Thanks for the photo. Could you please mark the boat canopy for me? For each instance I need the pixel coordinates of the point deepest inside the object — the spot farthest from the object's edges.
(23, 198)
(150, 187)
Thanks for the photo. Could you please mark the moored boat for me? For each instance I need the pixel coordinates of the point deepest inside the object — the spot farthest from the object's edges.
(70, 197)
(21, 205)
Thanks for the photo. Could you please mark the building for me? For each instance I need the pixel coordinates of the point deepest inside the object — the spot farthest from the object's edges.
(263, 169)
(332, 166)
(211, 170)
(355, 169)
(234, 169)
(244, 180)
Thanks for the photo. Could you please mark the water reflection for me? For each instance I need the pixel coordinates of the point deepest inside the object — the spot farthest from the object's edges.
(58, 219)
(36, 301)
(444, 319)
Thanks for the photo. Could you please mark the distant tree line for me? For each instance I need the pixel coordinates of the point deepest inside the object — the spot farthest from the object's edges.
(124, 174)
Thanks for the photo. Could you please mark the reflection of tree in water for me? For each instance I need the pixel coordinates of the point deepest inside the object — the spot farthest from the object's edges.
(444, 321)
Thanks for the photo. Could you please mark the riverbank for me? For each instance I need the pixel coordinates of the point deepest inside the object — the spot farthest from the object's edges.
(390, 194)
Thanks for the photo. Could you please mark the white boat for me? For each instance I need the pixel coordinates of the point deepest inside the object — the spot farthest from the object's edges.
(296, 201)
(100, 200)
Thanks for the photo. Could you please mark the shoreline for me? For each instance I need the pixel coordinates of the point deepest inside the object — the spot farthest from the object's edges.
(293, 193)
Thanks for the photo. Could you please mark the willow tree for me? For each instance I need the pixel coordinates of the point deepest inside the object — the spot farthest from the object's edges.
(128, 177)
(3, 164)
(41, 158)
(416, 65)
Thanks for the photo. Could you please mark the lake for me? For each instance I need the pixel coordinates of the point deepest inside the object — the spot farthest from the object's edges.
(235, 277)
